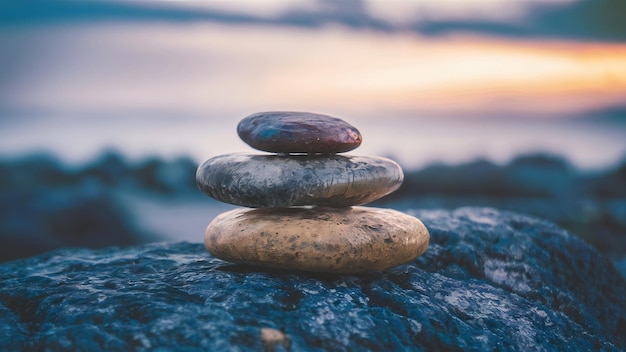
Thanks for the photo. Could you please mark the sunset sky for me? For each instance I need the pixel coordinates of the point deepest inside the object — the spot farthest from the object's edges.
(78, 61)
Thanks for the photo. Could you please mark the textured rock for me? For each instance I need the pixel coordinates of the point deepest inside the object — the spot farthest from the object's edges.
(279, 181)
(489, 281)
(348, 240)
(298, 132)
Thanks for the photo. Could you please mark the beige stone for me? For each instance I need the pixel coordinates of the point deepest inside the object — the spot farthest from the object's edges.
(346, 240)
(275, 340)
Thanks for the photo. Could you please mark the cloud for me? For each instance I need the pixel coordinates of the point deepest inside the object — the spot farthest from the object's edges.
(19, 13)
(603, 20)
(349, 13)
(587, 20)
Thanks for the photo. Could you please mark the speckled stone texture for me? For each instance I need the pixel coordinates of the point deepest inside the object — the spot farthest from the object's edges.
(348, 240)
(490, 281)
(298, 132)
(256, 181)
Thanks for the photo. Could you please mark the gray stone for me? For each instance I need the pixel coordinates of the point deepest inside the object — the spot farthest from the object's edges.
(490, 281)
(280, 181)
(347, 240)
(298, 132)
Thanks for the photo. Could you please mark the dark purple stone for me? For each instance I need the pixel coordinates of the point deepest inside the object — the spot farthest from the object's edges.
(298, 132)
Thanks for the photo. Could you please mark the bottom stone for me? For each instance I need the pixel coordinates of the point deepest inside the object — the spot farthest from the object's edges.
(346, 240)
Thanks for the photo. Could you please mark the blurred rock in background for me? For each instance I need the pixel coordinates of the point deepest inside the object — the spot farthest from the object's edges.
(46, 204)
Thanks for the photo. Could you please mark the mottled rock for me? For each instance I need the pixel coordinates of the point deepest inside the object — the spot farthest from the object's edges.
(298, 132)
(274, 340)
(348, 240)
(279, 181)
(489, 281)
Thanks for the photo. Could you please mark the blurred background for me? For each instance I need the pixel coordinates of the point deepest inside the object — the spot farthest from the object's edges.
(107, 107)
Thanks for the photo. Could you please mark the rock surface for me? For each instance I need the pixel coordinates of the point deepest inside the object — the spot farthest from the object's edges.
(489, 281)
(256, 181)
(298, 132)
(347, 240)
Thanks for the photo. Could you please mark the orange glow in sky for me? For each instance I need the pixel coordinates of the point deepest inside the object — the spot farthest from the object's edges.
(461, 73)
(208, 67)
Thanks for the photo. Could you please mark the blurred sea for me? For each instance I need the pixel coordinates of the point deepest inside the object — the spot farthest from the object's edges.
(588, 143)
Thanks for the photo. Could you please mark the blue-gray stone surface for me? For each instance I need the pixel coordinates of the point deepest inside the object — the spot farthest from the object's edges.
(490, 280)
(257, 181)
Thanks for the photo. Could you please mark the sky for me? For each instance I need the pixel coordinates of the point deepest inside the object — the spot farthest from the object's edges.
(446, 79)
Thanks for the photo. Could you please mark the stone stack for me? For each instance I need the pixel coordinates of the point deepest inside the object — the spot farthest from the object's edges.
(305, 199)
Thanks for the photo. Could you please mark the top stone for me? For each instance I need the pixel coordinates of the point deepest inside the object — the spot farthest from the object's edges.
(298, 132)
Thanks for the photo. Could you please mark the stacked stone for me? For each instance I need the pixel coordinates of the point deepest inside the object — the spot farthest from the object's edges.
(305, 199)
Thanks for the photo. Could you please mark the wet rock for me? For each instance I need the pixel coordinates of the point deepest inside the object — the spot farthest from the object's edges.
(298, 132)
(347, 240)
(489, 281)
(279, 181)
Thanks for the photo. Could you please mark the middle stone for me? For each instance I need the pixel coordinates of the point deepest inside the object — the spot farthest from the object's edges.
(281, 181)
